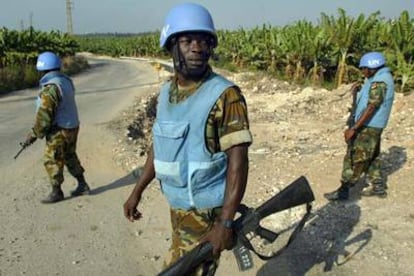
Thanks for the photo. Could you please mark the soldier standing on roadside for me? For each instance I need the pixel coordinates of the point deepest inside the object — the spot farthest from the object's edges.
(373, 109)
(57, 121)
(201, 138)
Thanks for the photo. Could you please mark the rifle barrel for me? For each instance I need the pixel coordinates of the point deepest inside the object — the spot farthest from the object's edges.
(189, 261)
(20, 151)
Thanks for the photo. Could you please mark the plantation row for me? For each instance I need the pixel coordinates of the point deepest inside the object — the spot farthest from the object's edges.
(317, 54)
(19, 51)
(22, 47)
(326, 53)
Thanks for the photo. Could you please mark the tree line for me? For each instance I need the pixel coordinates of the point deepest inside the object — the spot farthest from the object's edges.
(19, 51)
(326, 53)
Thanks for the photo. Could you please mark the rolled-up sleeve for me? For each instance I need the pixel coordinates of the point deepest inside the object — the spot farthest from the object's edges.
(232, 119)
(377, 93)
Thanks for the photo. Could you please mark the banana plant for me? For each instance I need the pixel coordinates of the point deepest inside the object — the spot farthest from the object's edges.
(402, 37)
(319, 48)
(345, 33)
(404, 72)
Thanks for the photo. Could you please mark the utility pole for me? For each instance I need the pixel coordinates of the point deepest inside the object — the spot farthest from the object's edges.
(69, 25)
(31, 20)
(21, 25)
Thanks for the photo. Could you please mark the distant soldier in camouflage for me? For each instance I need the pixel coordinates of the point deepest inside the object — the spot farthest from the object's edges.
(200, 141)
(57, 120)
(374, 102)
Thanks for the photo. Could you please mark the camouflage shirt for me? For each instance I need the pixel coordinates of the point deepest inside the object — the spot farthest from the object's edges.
(46, 111)
(377, 93)
(228, 123)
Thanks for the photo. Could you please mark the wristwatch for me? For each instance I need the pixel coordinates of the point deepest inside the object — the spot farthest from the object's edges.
(227, 223)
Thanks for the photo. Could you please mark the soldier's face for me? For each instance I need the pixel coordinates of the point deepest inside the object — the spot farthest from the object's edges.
(364, 71)
(367, 72)
(196, 50)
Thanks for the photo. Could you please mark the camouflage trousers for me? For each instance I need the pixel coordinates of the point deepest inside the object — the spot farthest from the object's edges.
(188, 227)
(60, 151)
(363, 157)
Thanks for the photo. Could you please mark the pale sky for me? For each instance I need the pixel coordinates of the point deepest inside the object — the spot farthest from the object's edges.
(135, 16)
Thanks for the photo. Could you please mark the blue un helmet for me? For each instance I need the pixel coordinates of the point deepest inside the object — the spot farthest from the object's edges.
(187, 17)
(48, 61)
(372, 60)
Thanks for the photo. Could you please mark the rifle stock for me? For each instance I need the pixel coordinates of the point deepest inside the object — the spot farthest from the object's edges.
(297, 193)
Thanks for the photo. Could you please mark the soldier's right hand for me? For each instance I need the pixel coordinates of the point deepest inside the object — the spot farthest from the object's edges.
(130, 209)
(349, 134)
(30, 139)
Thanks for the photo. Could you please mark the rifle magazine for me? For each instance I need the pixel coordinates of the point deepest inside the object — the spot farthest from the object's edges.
(243, 257)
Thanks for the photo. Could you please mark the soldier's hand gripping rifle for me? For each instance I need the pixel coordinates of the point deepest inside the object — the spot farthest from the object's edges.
(30, 139)
(297, 193)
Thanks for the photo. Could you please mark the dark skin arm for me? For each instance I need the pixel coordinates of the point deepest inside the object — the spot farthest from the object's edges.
(219, 236)
(130, 206)
(368, 112)
(366, 116)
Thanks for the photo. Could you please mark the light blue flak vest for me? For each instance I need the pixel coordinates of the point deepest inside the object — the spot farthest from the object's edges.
(190, 176)
(382, 114)
(67, 112)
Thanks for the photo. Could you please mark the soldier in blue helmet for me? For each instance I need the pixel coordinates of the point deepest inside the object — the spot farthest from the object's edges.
(57, 121)
(373, 108)
(200, 141)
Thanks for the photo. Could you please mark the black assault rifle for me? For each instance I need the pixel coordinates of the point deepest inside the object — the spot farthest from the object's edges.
(24, 146)
(351, 121)
(297, 193)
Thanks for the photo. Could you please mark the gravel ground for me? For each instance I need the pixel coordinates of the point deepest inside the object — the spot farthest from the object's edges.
(298, 131)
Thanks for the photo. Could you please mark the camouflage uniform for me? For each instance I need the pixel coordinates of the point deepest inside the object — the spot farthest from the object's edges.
(189, 227)
(60, 143)
(363, 155)
(227, 125)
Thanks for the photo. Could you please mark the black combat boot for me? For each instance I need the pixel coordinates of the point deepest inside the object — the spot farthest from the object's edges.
(55, 196)
(375, 190)
(342, 193)
(82, 188)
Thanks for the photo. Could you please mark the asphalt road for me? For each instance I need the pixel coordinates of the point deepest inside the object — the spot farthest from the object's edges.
(79, 236)
(102, 92)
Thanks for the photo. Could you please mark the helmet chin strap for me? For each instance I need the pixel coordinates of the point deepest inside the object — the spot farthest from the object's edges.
(180, 65)
(178, 59)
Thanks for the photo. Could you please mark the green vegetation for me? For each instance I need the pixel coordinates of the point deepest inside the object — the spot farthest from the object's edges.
(116, 45)
(19, 50)
(324, 54)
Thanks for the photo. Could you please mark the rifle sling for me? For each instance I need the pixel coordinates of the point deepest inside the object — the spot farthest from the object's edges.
(298, 228)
